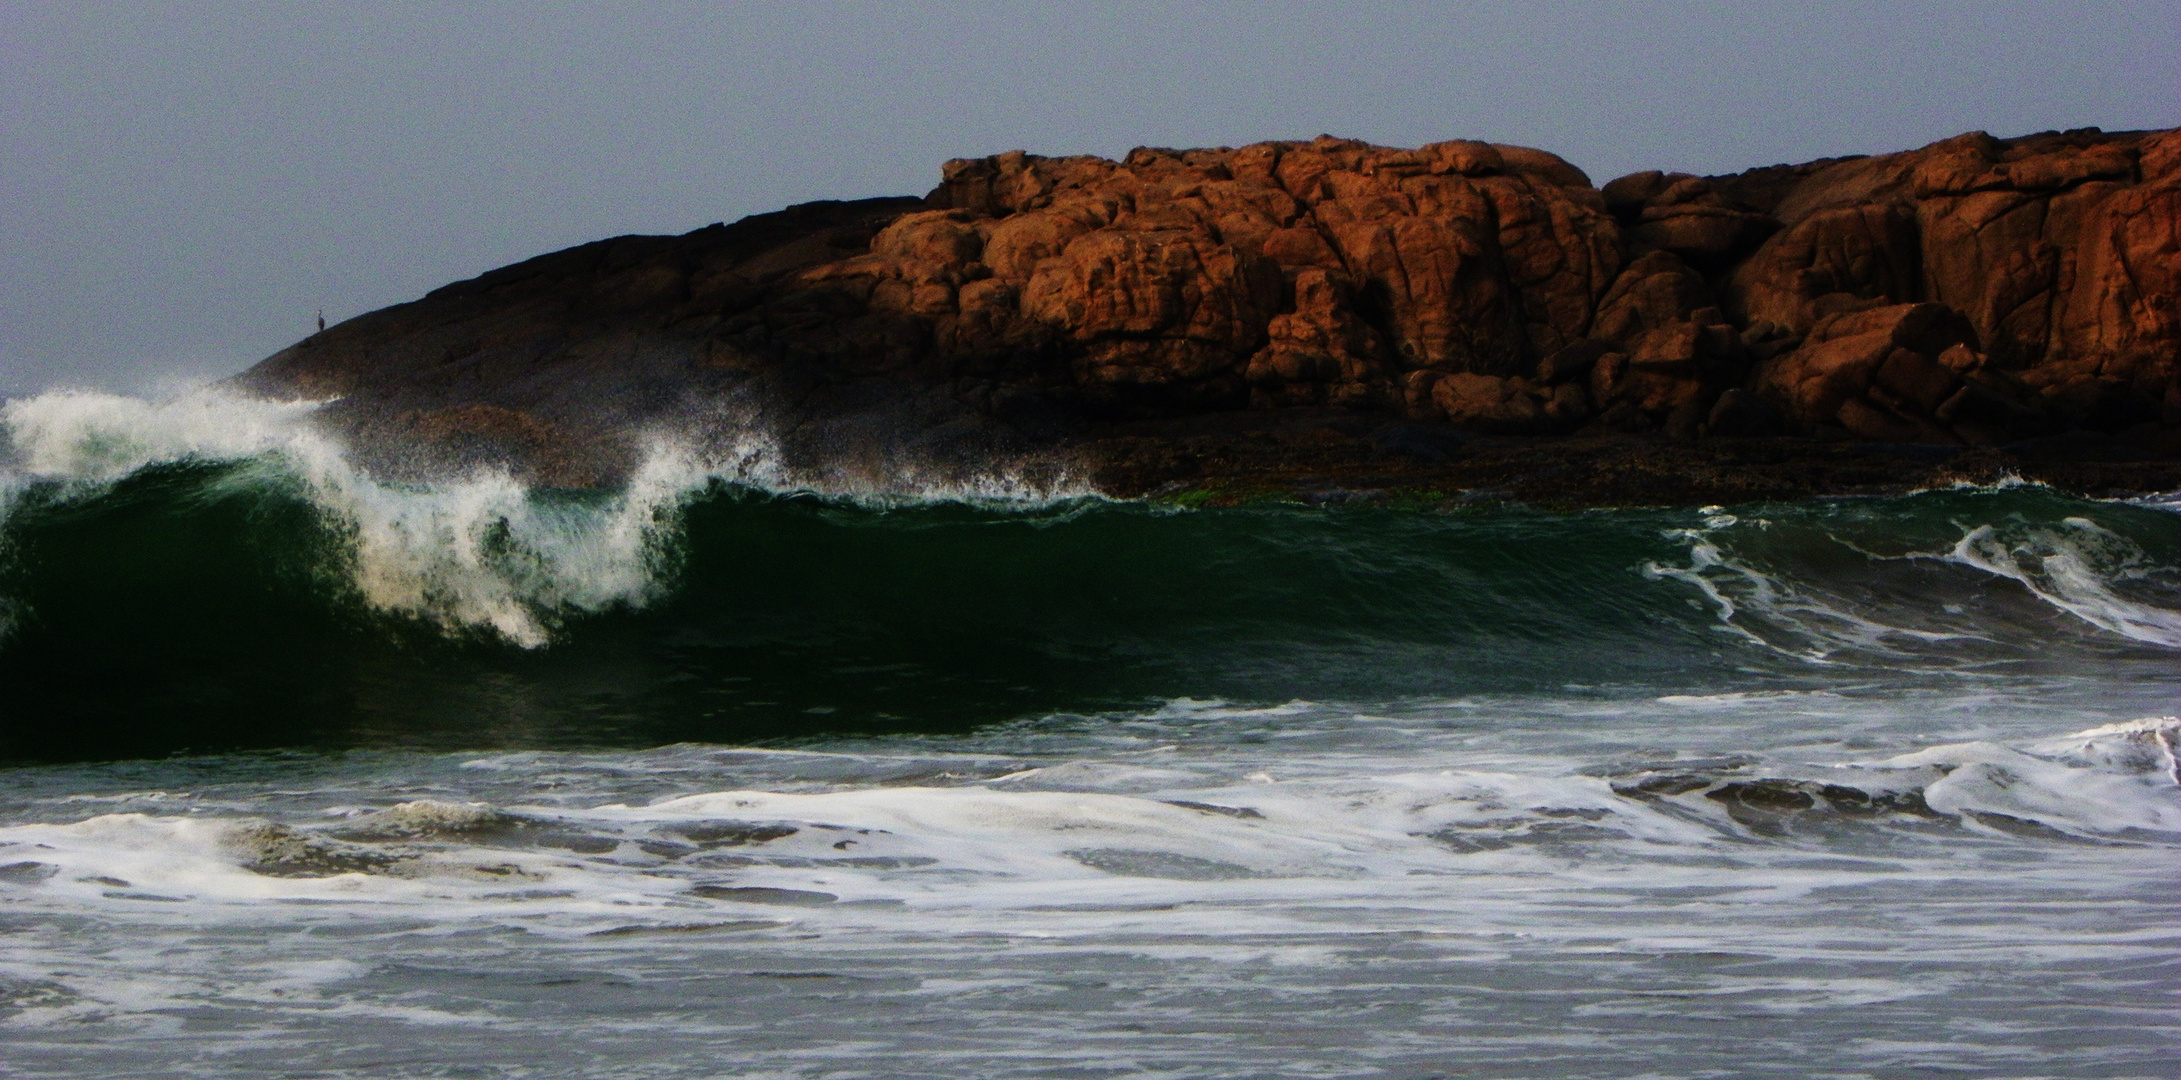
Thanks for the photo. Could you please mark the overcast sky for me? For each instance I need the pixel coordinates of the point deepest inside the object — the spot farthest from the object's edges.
(182, 185)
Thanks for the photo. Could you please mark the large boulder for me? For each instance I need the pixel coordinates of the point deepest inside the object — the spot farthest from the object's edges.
(2059, 250)
(1903, 373)
(1693, 217)
(1331, 269)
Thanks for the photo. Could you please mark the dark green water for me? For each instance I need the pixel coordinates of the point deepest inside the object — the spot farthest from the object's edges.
(212, 606)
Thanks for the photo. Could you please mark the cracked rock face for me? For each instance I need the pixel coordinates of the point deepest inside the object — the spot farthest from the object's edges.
(1977, 291)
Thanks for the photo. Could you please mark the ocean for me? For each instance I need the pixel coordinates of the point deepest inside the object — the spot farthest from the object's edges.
(738, 772)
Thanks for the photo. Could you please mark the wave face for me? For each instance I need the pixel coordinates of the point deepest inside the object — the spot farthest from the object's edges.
(210, 574)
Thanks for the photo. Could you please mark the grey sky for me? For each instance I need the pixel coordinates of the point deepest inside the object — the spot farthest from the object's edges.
(182, 185)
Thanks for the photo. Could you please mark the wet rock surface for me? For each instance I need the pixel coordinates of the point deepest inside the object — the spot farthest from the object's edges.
(1331, 314)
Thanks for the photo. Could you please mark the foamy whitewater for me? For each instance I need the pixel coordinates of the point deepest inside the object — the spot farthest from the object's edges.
(733, 772)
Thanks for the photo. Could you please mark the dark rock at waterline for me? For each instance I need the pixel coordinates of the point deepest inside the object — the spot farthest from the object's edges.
(561, 365)
(1332, 314)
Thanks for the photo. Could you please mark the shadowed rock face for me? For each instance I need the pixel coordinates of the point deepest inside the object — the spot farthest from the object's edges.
(560, 365)
(1977, 291)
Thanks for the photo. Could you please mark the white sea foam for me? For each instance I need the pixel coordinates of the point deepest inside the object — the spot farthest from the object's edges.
(2113, 779)
(2074, 566)
(1158, 868)
(2169, 502)
(2132, 746)
(744, 454)
(1769, 611)
(1152, 826)
(87, 437)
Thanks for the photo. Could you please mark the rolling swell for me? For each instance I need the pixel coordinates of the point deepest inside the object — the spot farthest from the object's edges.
(259, 595)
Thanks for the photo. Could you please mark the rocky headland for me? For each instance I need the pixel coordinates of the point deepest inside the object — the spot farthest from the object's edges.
(1332, 316)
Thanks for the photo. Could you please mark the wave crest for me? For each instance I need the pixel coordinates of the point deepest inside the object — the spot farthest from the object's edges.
(2078, 567)
(477, 552)
(1855, 582)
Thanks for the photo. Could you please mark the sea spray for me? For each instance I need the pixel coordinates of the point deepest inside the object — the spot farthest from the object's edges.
(83, 438)
(484, 551)
(474, 551)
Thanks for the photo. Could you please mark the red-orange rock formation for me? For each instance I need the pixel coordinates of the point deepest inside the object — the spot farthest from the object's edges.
(1977, 291)
(1328, 272)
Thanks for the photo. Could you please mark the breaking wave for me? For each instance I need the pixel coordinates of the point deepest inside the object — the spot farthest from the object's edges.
(478, 552)
(2081, 568)
(209, 572)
